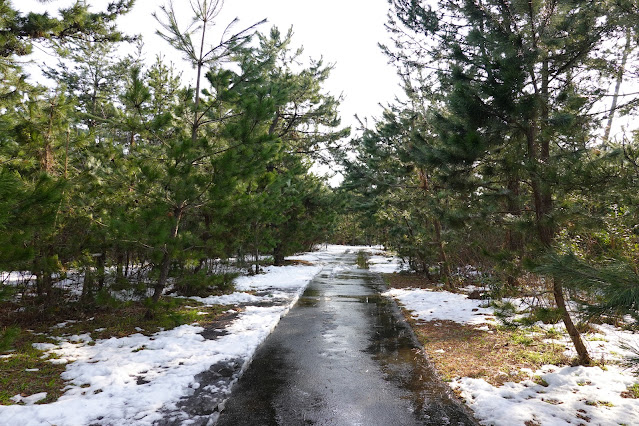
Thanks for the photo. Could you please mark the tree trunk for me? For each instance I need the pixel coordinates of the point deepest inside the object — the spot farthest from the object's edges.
(443, 257)
(166, 258)
(119, 260)
(513, 242)
(582, 352)
(278, 255)
(47, 159)
(87, 286)
(542, 197)
(101, 270)
(164, 275)
(615, 98)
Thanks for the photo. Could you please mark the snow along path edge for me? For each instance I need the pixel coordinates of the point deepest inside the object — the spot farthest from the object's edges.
(133, 380)
(225, 374)
(552, 395)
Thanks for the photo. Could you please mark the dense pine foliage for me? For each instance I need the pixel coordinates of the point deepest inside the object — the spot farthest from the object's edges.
(119, 165)
(501, 154)
(514, 149)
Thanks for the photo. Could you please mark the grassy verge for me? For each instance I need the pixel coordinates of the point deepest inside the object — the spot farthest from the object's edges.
(496, 354)
(26, 371)
(362, 260)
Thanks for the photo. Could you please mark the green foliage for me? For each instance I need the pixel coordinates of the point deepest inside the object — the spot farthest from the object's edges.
(76, 21)
(613, 287)
(8, 336)
(122, 174)
(202, 284)
(491, 158)
(362, 260)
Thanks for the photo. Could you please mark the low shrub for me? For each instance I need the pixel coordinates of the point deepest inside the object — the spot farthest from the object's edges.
(200, 284)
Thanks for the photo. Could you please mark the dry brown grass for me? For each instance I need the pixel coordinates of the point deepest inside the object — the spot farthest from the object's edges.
(298, 262)
(26, 372)
(496, 355)
(404, 280)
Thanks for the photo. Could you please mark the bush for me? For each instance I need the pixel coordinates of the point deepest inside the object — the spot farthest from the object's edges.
(200, 284)
(8, 335)
(546, 315)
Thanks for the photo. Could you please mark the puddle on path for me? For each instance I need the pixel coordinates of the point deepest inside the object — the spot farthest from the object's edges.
(342, 356)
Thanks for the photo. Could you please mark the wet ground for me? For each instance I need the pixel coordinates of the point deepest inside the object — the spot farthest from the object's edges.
(342, 356)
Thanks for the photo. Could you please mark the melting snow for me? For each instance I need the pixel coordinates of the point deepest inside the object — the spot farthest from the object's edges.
(428, 305)
(130, 380)
(574, 395)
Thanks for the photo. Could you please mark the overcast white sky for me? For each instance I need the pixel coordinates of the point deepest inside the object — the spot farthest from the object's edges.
(343, 32)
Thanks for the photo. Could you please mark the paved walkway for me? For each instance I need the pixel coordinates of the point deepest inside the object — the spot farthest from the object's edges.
(342, 356)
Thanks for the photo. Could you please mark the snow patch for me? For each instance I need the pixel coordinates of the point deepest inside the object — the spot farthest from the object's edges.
(130, 380)
(428, 305)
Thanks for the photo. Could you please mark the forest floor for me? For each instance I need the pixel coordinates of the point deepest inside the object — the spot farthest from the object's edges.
(114, 367)
(517, 370)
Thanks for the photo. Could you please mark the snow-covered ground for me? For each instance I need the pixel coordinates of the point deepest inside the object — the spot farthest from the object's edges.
(573, 395)
(378, 262)
(134, 379)
(429, 305)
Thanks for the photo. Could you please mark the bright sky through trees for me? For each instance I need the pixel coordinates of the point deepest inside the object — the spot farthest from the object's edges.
(345, 33)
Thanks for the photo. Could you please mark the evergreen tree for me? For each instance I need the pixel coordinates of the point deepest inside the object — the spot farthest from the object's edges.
(511, 87)
(19, 32)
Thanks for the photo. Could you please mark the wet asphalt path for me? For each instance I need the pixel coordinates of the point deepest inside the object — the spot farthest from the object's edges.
(342, 356)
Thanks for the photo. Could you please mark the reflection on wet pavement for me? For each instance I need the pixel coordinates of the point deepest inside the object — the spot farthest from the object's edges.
(342, 356)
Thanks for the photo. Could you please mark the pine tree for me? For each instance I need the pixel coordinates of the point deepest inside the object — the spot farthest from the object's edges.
(19, 32)
(509, 84)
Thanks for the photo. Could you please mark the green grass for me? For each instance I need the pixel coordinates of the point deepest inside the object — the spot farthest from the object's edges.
(540, 381)
(632, 392)
(547, 356)
(362, 260)
(15, 379)
(522, 339)
(125, 320)
(600, 403)
(546, 315)
(553, 333)
(8, 336)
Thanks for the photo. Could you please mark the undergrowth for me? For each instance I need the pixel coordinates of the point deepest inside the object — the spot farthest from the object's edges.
(25, 370)
(496, 354)
(362, 260)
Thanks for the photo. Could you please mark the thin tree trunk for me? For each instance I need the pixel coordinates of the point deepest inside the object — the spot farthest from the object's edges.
(443, 257)
(119, 260)
(622, 69)
(166, 259)
(66, 154)
(47, 154)
(278, 255)
(87, 285)
(101, 270)
(200, 64)
(542, 198)
(514, 242)
(164, 275)
(575, 336)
